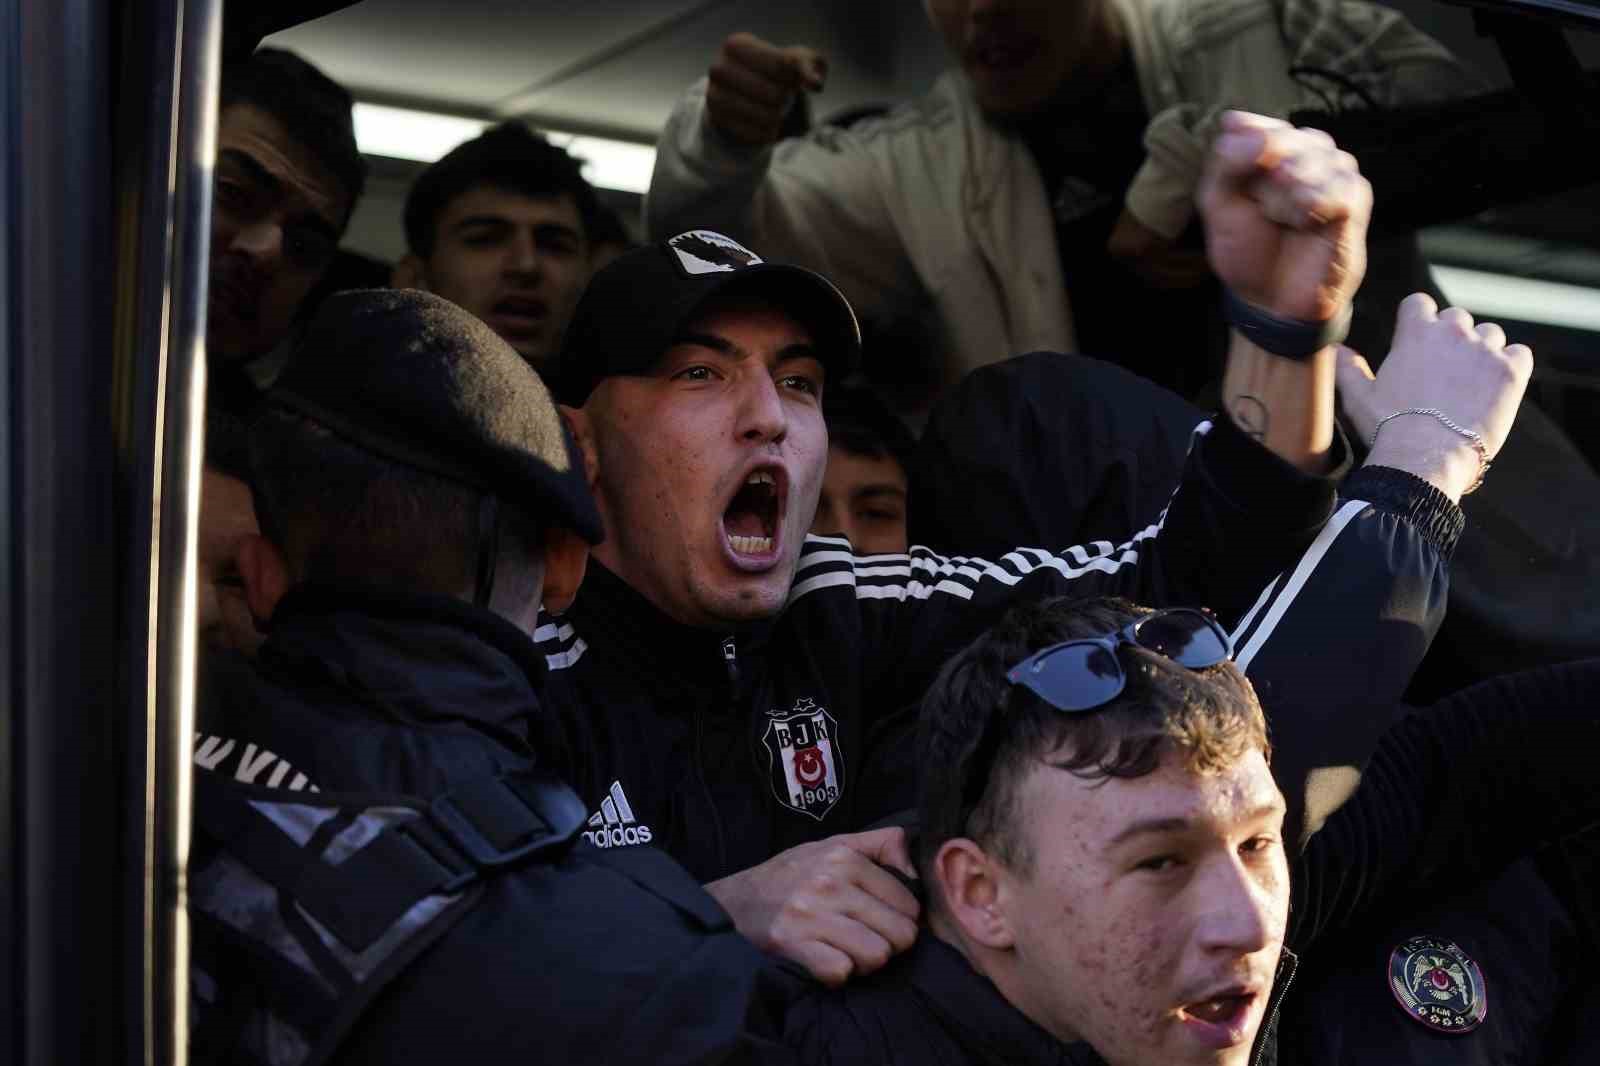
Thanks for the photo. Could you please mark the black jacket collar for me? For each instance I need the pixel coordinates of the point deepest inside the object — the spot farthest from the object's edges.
(635, 636)
(413, 657)
(969, 1006)
(992, 1030)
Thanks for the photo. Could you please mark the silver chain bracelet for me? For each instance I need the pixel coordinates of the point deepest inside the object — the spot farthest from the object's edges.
(1476, 439)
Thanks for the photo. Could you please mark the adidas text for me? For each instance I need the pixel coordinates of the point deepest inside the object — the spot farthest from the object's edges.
(614, 824)
(618, 837)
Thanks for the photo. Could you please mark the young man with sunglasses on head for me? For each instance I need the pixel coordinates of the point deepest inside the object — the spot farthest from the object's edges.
(1101, 843)
(728, 684)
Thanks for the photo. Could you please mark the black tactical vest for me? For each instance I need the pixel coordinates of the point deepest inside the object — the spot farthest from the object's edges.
(304, 905)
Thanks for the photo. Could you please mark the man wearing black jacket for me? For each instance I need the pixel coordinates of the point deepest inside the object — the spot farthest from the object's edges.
(1103, 849)
(384, 868)
(726, 681)
(1112, 440)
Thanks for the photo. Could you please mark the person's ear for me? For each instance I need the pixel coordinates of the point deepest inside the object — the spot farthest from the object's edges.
(409, 273)
(582, 426)
(265, 574)
(566, 557)
(969, 882)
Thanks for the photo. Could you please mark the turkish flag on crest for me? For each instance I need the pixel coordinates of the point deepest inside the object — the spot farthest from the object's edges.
(810, 767)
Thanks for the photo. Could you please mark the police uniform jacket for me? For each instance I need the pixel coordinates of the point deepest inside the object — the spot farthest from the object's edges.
(1451, 796)
(600, 956)
(728, 747)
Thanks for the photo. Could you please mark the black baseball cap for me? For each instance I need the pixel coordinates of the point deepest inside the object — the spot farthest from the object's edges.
(412, 377)
(636, 307)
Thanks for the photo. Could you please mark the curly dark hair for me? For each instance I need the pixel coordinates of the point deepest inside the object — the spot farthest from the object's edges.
(1211, 717)
(510, 157)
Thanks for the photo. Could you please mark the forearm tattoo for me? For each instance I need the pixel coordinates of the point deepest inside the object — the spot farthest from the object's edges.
(1251, 415)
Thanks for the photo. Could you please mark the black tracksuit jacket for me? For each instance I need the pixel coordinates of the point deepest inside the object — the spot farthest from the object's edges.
(1451, 796)
(1116, 444)
(725, 748)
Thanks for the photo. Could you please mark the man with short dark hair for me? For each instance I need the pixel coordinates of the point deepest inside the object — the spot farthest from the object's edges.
(1102, 847)
(421, 500)
(288, 176)
(502, 226)
(733, 679)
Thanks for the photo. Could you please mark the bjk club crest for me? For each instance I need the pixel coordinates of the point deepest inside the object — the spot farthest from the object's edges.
(803, 758)
(1438, 984)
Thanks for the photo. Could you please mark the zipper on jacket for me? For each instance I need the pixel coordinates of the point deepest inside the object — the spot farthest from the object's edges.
(730, 660)
(1270, 1019)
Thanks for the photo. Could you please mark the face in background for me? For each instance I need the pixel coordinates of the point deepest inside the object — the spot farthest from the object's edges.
(227, 520)
(863, 500)
(517, 262)
(276, 216)
(1018, 53)
(1152, 919)
(709, 466)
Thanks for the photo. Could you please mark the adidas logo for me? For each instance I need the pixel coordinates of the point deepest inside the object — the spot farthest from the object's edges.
(613, 825)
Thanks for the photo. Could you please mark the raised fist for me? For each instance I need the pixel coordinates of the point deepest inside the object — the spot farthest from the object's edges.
(753, 84)
(1286, 216)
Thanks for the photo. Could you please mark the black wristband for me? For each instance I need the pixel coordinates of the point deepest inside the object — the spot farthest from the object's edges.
(1291, 338)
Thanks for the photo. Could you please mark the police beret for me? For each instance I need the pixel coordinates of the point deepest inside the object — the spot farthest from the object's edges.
(636, 306)
(414, 378)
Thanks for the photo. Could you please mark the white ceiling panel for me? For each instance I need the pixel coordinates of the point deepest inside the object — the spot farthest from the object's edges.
(467, 54)
(616, 65)
(876, 54)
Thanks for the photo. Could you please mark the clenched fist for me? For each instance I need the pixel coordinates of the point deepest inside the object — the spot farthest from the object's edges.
(1286, 216)
(753, 84)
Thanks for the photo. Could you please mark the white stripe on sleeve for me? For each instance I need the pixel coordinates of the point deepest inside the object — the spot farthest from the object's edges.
(1297, 581)
(566, 659)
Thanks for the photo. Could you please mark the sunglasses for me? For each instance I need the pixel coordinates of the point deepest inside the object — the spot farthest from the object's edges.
(1081, 675)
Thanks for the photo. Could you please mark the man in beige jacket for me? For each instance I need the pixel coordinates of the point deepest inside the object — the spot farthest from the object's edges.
(1041, 195)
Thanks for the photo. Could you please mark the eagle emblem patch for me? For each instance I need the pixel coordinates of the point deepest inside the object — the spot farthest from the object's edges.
(1438, 984)
(704, 251)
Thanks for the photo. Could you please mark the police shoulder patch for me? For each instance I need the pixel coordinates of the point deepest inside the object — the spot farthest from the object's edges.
(1438, 984)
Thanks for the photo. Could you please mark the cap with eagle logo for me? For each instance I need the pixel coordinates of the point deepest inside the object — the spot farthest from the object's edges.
(638, 305)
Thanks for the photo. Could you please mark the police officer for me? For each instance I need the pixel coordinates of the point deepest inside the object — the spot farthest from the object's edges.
(736, 683)
(383, 869)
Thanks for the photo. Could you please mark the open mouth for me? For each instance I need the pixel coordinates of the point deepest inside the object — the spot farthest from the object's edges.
(1219, 1021)
(521, 311)
(752, 518)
